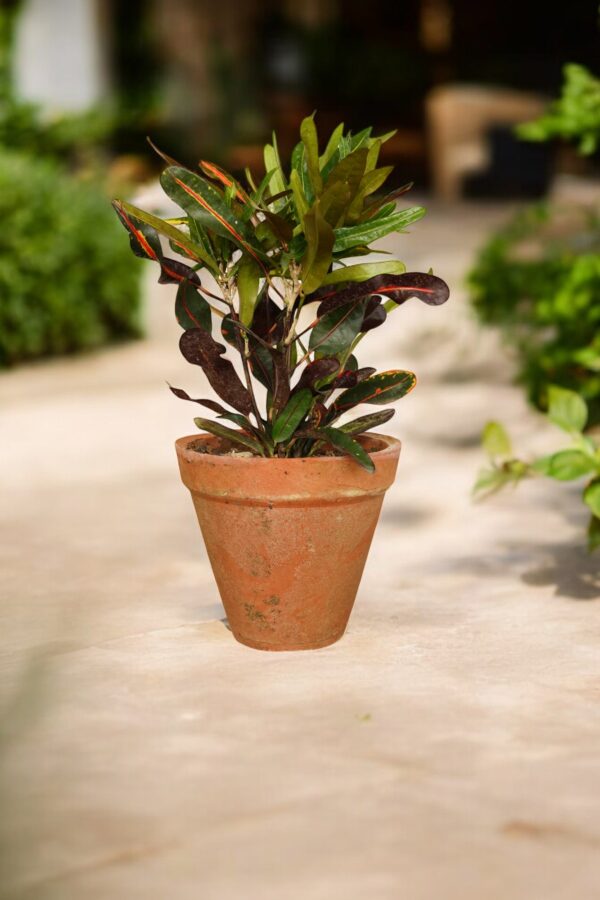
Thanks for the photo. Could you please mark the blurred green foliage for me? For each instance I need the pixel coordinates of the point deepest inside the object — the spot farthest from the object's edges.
(539, 279)
(66, 279)
(575, 116)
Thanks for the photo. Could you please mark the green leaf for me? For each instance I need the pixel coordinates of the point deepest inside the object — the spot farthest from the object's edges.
(489, 481)
(300, 201)
(565, 465)
(342, 441)
(248, 280)
(272, 164)
(593, 533)
(369, 231)
(591, 496)
(348, 172)
(365, 423)
(385, 387)
(332, 144)
(370, 183)
(308, 133)
(181, 240)
(288, 420)
(229, 434)
(334, 202)
(364, 271)
(319, 239)
(496, 477)
(495, 440)
(191, 308)
(336, 330)
(567, 409)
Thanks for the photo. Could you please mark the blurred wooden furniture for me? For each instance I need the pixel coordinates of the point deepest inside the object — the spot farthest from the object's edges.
(458, 118)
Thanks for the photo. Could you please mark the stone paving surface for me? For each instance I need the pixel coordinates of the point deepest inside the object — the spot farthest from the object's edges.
(447, 747)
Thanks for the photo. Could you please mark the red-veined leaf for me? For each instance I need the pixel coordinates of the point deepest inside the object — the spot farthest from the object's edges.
(191, 308)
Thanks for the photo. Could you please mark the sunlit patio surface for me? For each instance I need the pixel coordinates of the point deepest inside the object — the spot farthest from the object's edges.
(447, 747)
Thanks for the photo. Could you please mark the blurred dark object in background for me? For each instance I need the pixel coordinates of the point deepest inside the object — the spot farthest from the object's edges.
(215, 78)
(517, 170)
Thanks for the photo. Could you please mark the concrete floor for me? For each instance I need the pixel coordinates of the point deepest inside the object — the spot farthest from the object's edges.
(447, 747)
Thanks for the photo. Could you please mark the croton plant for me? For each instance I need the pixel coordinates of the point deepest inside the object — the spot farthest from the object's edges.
(267, 263)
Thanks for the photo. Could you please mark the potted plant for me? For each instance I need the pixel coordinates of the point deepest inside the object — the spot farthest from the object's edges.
(288, 498)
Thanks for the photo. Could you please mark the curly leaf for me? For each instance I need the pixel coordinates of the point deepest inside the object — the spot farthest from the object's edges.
(200, 349)
(316, 371)
(399, 288)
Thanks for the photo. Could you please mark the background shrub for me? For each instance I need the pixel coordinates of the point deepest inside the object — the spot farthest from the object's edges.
(66, 278)
(539, 279)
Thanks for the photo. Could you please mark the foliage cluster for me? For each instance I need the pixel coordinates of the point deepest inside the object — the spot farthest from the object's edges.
(65, 277)
(275, 251)
(580, 460)
(539, 279)
(575, 116)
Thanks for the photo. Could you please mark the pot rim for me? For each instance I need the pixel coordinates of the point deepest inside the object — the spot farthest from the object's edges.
(391, 447)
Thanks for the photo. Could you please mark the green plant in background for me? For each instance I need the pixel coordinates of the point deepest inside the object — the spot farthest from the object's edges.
(579, 460)
(66, 282)
(276, 251)
(539, 279)
(575, 116)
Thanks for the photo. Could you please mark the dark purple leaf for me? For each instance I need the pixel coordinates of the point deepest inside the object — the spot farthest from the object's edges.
(200, 349)
(399, 288)
(316, 370)
(281, 380)
(174, 272)
(267, 321)
(375, 314)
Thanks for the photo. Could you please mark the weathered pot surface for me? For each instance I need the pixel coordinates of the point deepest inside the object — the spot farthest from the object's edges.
(287, 538)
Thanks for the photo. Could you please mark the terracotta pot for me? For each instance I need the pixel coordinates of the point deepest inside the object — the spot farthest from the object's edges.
(287, 538)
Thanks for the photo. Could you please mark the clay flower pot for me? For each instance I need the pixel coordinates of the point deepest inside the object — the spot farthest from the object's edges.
(287, 538)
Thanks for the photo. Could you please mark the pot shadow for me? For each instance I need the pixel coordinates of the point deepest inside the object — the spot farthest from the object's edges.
(405, 516)
(569, 568)
(573, 571)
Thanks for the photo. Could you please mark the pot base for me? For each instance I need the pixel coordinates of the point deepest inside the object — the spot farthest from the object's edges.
(282, 647)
